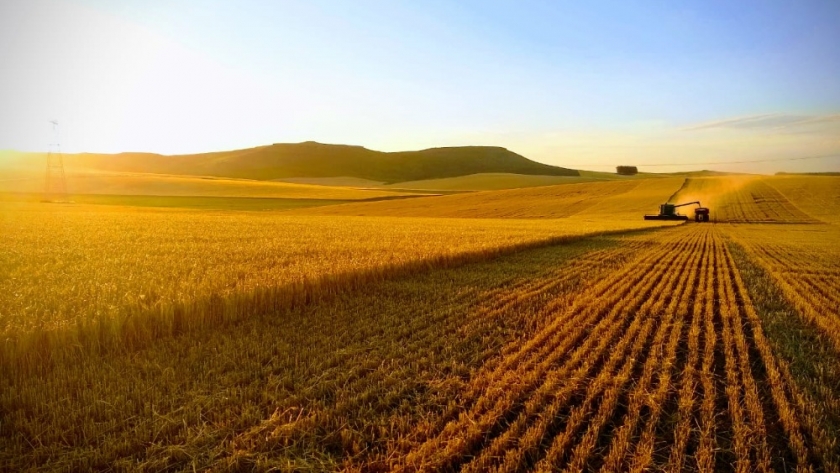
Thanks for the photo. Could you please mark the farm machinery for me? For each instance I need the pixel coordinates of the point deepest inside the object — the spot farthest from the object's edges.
(669, 212)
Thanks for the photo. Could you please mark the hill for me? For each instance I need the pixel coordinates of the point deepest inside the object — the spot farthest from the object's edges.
(316, 160)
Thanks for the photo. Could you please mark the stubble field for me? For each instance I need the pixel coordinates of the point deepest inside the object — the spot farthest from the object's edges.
(566, 335)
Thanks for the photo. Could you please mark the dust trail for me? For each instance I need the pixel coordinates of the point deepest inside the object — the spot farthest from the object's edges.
(711, 192)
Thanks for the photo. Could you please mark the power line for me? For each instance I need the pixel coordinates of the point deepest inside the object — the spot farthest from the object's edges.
(714, 162)
(55, 188)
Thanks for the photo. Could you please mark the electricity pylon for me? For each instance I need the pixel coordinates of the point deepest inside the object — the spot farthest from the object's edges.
(56, 182)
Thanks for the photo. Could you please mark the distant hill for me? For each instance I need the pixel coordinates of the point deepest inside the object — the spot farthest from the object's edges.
(316, 160)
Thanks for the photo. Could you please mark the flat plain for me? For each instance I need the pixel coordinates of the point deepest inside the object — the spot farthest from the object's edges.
(545, 328)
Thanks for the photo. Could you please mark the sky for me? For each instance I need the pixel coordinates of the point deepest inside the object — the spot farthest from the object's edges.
(664, 85)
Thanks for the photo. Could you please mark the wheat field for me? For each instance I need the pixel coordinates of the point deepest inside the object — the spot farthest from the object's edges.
(565, 335)
(103, 277)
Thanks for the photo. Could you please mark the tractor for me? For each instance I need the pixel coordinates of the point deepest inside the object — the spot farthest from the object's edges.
(669, 212)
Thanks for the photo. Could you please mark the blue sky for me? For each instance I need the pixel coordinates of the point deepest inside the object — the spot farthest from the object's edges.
(588, 84)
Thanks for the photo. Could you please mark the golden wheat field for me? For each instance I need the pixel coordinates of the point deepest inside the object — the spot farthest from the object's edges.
(533, 329)
(90, 276)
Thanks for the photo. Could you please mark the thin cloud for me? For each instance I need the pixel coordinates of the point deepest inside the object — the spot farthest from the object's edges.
(770, 121)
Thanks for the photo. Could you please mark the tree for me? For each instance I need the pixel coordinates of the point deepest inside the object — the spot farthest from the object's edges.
(627, 170)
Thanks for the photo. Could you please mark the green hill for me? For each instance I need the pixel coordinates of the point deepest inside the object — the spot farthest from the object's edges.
(316, 160)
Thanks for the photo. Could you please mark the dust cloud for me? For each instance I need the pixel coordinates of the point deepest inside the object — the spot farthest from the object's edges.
(712, 192)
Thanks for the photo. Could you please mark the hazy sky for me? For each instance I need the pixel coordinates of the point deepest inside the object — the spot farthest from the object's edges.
(585, 84)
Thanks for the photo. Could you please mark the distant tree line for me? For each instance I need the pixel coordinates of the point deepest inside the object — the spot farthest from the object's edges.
(627, 170)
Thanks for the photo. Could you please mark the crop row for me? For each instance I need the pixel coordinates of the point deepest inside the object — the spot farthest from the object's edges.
(662, 364)
(306, 387)
(805, 264)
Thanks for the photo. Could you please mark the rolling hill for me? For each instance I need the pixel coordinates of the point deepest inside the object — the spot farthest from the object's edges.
(316, 160)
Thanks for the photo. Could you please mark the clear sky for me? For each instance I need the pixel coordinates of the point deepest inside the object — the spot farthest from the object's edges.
(584, 84)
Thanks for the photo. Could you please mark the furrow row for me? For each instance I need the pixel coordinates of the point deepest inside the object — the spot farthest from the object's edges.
(504, 401)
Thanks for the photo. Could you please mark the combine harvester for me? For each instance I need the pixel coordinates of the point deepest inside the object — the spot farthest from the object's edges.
(669, 212)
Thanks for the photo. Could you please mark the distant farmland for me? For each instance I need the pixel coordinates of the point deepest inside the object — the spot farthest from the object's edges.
(607, 200)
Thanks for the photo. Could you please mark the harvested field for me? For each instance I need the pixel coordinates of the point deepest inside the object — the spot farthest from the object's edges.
(420, 237)
(818, 196)
(664, 365)
(137, 339)
(804, 262)
(598, 354)
(742, 199)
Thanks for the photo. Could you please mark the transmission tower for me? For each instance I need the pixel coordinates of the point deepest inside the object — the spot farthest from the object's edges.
(56, 182)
